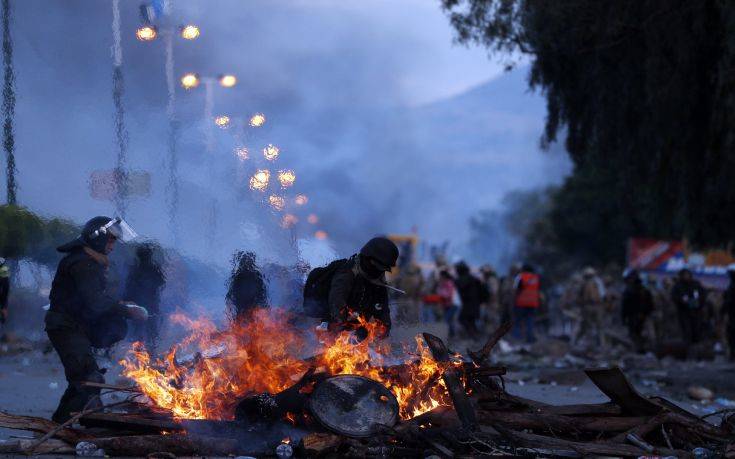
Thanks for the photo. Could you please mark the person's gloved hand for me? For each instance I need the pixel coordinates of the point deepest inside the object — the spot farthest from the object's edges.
(136, 312)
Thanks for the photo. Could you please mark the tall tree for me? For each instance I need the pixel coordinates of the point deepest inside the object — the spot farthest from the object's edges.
(643, 91)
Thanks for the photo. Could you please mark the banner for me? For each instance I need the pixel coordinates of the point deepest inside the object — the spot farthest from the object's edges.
(667, 258)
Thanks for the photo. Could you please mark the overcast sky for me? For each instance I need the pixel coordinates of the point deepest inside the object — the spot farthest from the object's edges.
(347, 86)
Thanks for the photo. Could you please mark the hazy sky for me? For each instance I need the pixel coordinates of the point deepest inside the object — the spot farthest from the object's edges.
(355, 93)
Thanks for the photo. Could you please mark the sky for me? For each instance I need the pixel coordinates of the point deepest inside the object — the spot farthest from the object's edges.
(389, 126)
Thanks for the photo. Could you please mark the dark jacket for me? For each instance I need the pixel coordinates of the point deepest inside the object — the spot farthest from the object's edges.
(728, 304)
(637, 302)
(688, 294)
(143, 286)
(472, 293)
(79, 296)
(246, 290)
(352, 291)
(4, 291)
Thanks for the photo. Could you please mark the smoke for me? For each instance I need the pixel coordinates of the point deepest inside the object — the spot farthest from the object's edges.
(354, 98)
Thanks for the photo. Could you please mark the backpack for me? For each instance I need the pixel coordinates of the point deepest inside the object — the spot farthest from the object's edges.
(316, 289)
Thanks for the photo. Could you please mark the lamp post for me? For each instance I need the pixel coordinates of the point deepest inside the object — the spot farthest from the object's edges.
(149, 32)
(191, 81)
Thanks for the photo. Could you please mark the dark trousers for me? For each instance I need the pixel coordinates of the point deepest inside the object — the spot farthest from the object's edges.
(449, 314)
(75, 352)
(524, 316)
(690, 321)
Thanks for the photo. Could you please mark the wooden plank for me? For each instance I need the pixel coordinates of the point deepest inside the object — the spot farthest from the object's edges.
(460, 400)
(129, 422)
(559, 424)
(613, 383)
(480, 356)
(26, 446)
(177, 444)
(40, 425)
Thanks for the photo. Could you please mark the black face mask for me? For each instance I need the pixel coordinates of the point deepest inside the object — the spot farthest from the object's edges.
(370, 270)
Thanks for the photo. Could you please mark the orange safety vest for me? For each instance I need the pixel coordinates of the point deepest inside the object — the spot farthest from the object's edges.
(527, 295)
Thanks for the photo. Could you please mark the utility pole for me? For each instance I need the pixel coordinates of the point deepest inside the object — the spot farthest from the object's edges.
(9, 106)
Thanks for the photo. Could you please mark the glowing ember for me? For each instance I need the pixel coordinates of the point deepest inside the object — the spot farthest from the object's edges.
(259, 180)
(146, 33)
(222, 121)
(190, 32)
(265, 354)
(287, 178)
(227, 81)
(313, 219)
(277, 202)
(242, 153)
(289, 220)
(190, 80)
(321, 235)
(257, 120)
(271, 152)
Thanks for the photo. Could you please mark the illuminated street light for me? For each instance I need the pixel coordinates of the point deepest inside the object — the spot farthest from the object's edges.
(222, 121)
(277, 202)
(321, 235)
(227, 81)
(301, 199)
(190, 32)
(271, 152)
(287, 178)
(289, 220)
(313, 219)
(146, 33)
(259, 181)
(257, 120)
(242, 153)
(190, 80)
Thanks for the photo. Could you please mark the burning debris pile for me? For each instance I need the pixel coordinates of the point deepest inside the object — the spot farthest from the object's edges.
(249, 391)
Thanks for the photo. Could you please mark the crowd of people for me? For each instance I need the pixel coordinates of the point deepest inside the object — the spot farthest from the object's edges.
(644, 312)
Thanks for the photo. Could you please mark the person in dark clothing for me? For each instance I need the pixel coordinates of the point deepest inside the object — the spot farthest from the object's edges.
(359, 287)
(246, 290)
(728, 307)
(637, 305)
(689, 297)
(82, 314)
(4, 290)
(144, 283)
(471, 292)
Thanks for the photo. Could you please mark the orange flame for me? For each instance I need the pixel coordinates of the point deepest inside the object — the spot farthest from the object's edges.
(264, 354)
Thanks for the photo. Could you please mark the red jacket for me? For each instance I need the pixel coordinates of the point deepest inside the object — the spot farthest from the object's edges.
(528, 290)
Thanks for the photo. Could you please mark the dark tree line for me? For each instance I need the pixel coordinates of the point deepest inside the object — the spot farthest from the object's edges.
(642, 93)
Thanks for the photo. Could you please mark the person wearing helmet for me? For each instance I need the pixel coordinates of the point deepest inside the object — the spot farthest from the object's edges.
(82, 314)
(4, 290)
(358, 286)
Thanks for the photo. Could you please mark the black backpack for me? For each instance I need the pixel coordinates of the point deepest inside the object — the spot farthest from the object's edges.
(316, 289)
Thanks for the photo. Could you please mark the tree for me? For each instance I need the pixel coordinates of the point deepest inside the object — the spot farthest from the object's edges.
(643, 92)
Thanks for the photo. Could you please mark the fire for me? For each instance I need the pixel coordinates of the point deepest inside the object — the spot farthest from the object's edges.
(271, 152)
(257, 120)
(207, 373)
(259, 180)
(287, 178)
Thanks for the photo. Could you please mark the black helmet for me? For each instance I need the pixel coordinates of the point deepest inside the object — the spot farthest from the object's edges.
(91, 236)
(382, 251)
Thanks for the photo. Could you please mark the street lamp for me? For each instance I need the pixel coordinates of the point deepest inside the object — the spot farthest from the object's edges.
(257, 120)
(189, 32)
(227, 81)
(190, 80)
(146, 33)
